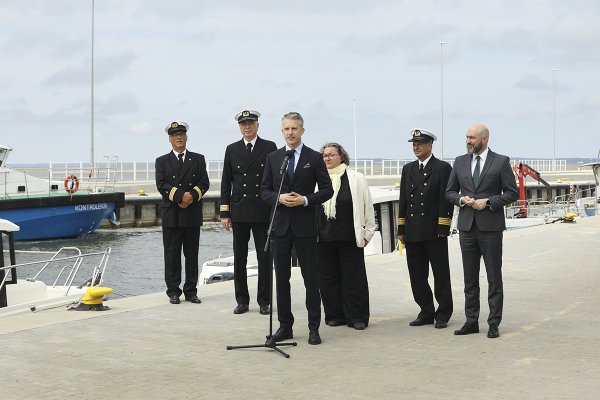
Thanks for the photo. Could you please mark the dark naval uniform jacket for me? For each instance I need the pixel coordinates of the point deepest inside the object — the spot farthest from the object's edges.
(241, 180)
(172, 183)
(424, 212)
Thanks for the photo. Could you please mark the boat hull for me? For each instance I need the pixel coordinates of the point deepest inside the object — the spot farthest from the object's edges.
(59, 217)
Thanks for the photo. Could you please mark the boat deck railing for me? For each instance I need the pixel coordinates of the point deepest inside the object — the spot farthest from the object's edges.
(67, 272)
(579, 202)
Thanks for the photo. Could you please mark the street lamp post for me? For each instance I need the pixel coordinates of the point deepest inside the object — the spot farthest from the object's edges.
(92, 95)
(354, 118)
(442, 95)
(554, 70)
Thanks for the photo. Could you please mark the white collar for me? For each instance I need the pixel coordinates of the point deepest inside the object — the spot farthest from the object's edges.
(425, 162)
(483, 154)
(297, 150)
(253, 141)
(177, 154)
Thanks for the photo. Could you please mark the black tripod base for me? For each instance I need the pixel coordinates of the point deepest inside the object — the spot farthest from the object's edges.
(269, 344)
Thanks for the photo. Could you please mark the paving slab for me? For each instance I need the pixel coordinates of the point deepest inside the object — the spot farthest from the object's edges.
(145, 348)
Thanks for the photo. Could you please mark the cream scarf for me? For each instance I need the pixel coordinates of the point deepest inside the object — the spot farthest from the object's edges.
(335, 174)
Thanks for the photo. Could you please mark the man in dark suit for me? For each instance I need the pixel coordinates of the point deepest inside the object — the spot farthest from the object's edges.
(295, 221)
(481, 183)
(424, 219)
(244, 210)
(182, 180)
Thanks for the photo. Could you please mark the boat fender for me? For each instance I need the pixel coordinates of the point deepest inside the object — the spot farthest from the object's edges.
(71, 183)
(92, 299)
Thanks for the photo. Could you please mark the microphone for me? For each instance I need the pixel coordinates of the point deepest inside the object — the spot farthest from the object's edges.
(288, 154)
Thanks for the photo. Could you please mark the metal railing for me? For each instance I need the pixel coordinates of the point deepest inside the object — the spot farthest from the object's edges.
(115, 170)
(72, 269)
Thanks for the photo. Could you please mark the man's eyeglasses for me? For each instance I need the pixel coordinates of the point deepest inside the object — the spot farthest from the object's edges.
(325, 156)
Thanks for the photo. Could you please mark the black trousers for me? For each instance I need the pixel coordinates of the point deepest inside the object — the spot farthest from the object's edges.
(343, 282)
(306, 248)
(418, 257)
(174, 240)
(241, 236)
(475, 244)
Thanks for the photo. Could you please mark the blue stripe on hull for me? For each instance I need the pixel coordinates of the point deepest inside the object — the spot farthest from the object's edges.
(57, 222)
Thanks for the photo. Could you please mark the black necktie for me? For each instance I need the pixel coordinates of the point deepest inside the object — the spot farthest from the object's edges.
(421, 167)
(290, 167)
(180, 156)
(249, 148)
(476, 172)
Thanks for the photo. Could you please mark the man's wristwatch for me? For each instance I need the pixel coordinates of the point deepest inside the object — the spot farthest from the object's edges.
(487, 203)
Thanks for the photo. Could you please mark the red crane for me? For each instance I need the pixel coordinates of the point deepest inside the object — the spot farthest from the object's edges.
(524, 170)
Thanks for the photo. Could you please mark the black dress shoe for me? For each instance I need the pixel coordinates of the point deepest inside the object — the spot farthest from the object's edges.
(193, 299)
(335, 322)
(174, 299)
(359, 326)
(467, 329)
(240, 309)
(493, 332)
(441, 324)
(264, 309)
(282, 334)
(314, 337)
(421, 321)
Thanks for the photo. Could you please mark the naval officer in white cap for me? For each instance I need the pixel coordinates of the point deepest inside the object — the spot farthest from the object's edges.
(243, 210)
(182, 180)
(423, 226)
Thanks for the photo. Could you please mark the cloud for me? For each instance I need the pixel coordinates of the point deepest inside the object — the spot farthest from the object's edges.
(533, 82)
(105, 69)
(142, 128)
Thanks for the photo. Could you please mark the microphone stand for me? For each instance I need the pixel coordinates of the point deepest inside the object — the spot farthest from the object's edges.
(270, 343)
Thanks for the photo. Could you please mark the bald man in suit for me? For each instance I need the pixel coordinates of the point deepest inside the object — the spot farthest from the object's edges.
(481, 184)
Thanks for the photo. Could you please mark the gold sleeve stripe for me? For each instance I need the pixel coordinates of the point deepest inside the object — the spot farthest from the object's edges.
(197, 189)
(224, 207)
(444, 221)
(401, 221)
(172, 193)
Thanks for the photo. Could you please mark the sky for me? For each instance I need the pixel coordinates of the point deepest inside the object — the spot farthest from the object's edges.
(358, 71)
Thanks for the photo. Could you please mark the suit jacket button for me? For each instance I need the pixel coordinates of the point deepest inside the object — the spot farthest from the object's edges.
(244, 194)
(421, 203)
(256, 195)
(262, 165)
(244, 174)
(422, 214)
(180, 184)
(244, 184)
(257, 174)
(411, 195)
(257, 185)
(411, 215)
(425, 184)
(173, 176)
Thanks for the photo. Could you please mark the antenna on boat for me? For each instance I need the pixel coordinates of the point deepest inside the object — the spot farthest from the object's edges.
(92, 95)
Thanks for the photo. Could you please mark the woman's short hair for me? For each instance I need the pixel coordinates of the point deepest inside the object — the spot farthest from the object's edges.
(343, 153)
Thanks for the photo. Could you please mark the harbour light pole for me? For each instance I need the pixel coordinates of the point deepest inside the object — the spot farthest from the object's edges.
(355, 151)
(92, 95)
(554, 70)
(442, 95)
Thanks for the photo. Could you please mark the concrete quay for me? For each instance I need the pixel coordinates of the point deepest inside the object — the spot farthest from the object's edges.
(145, 348)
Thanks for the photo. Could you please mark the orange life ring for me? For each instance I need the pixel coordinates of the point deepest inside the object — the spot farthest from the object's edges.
(71, 183)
